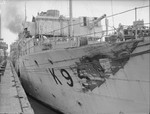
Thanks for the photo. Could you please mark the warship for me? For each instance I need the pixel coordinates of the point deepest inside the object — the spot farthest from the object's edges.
(74, 66)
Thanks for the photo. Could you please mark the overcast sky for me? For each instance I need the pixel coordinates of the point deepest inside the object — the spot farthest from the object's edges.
(94, 8)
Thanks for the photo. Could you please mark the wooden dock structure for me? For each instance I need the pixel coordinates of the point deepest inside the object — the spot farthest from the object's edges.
(13, 98)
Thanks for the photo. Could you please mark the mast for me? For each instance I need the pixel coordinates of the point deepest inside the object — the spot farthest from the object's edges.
(25, 12)
(70, 18)
(0, 21)
(112, 12)
(136, 24)
(106, 24)
(0, 25)
(1, 39)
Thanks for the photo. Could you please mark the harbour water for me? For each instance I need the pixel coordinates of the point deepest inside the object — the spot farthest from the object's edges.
(40, 108)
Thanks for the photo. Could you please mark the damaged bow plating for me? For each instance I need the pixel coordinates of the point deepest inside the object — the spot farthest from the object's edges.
(93, 71)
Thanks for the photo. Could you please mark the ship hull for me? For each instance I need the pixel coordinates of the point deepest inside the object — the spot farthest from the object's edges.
(52, 77)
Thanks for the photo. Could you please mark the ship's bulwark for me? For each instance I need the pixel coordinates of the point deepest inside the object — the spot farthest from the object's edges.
(75, 81)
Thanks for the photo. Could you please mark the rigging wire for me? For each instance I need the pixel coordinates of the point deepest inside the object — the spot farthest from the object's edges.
(106, 17)
(128, 11)
(112, 12)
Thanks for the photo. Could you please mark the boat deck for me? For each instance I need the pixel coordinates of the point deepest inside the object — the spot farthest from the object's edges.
(12, 96)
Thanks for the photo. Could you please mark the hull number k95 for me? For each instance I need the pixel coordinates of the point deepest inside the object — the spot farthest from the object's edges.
(64, 73)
